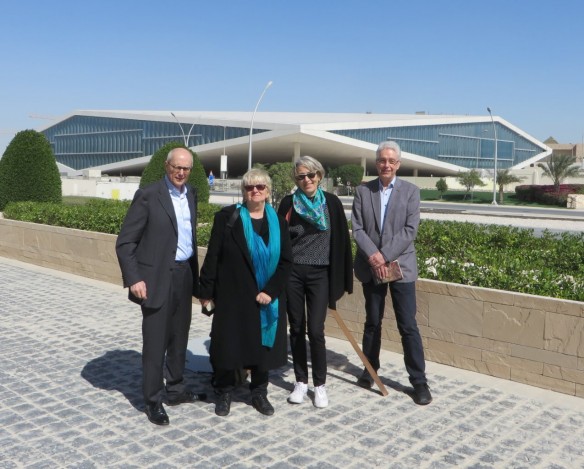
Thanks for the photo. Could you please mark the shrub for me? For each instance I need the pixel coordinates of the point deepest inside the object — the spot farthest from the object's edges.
(352, 173)
(28, 170)
(503, 258)
(154, 171)
(548, 194)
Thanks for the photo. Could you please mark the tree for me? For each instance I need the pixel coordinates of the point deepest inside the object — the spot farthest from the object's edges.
(282, 183)
(155, 170)
(504, 177)
(28, 170)
(351, 173)
(441, 186)
(469, 180)
(560, 167)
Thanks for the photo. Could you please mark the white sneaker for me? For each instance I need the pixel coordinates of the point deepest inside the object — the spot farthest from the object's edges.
(320, 397)
(297, 396)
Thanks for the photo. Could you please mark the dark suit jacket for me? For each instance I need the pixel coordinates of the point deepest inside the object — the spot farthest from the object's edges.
(396, 238)
(146, 245)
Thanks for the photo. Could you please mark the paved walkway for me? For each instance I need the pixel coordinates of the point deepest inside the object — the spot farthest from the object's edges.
(70, 397)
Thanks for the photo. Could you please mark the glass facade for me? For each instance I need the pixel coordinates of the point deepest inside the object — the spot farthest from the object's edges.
(467, 145)
(86, 141)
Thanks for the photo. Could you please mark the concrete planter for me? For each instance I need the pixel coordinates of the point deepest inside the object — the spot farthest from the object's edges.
(524, 338)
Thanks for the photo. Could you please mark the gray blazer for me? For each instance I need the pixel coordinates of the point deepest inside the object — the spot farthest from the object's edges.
(396, 239)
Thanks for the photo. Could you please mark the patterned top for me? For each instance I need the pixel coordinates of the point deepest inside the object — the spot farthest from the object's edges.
(310, 246)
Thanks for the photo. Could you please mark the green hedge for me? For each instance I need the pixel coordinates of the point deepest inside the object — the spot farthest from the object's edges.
(491, 256)
(102, 215)
(503, 258)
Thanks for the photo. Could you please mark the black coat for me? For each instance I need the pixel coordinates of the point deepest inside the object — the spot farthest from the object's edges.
(227, 276)
(341, 257)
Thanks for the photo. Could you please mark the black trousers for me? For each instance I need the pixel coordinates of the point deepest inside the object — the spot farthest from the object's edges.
(307, 295)
(224, 381)
(165, 334)
(403, 297)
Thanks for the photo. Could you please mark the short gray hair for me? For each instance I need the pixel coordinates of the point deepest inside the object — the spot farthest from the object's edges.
(171, 152)
(256, 176)
(310, 163)
(388, 145)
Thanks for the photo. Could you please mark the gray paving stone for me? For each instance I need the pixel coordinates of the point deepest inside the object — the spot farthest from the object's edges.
(70, 397)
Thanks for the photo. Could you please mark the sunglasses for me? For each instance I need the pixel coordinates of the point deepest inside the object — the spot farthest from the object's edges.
(300, 177)
(259, 187)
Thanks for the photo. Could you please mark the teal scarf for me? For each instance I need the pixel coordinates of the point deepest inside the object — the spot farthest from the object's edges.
(265, 260)
(311, 210)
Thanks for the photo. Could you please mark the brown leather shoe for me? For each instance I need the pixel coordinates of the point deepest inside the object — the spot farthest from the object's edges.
(156, 414)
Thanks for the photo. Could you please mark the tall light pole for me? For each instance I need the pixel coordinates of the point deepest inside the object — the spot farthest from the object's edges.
(494, 202)
(251, 126)
(186, 138)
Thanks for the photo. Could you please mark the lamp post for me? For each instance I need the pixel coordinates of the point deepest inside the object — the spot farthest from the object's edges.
(494, 202)
(186, 138)
(251, 126)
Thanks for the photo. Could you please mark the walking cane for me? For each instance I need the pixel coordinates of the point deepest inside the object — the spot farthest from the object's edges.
(362, 356)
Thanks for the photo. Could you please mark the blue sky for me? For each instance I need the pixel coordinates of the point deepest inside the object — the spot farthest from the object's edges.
(523, 58)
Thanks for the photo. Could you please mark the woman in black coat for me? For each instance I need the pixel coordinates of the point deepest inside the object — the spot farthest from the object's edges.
(321, 274)
(245, 273)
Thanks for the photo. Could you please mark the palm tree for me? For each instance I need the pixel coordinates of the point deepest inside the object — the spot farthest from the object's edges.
(560, 167)
(504, 177)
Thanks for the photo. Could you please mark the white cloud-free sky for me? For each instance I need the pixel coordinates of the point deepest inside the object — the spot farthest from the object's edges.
(522, 58)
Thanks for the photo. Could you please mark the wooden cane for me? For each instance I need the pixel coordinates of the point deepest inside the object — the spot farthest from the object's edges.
(362, 356)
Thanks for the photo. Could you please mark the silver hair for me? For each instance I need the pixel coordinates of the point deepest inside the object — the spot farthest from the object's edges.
(310, 163)
(170, 153)
(256, 176)
(391, 145)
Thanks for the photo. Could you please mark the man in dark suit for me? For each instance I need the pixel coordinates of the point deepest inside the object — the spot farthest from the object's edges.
(157, 252)
(385, 219)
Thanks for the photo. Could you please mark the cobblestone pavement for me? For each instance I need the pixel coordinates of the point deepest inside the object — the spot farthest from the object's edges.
(70, 397)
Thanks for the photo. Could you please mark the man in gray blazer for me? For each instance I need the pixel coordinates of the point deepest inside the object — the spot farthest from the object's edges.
(157, 253)
(385, 219)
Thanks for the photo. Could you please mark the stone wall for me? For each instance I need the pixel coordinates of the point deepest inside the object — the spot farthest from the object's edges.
(524, 338)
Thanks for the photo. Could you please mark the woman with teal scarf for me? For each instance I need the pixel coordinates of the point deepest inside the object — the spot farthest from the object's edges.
(321, 273)
(245, 273)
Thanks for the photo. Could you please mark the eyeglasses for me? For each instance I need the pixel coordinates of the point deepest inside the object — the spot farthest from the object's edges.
(389, 162)
(300, 177)
(179, 168)
(259, 187)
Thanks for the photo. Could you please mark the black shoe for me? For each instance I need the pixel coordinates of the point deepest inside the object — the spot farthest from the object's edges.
(187, 397)
(422, 394)
(156, 414)
(365, 380)
(223, 404)
(262, 405)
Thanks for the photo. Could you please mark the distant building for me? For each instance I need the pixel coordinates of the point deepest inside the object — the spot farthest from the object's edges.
(574, 149)
(122, 142)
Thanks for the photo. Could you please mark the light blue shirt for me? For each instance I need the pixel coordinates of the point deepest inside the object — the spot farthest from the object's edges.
(184, 248)
(385, 194)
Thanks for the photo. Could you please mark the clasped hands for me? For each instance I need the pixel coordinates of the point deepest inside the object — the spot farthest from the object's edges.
(378, 265)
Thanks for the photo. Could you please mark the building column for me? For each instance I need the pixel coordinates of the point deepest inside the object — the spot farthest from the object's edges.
(296, 151)
(364, 165)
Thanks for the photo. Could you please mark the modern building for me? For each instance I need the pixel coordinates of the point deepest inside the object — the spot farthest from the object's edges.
(122, 142)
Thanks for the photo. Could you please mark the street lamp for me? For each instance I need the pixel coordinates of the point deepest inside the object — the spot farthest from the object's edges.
(494, 202)
(186, 138)
(251, 126)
